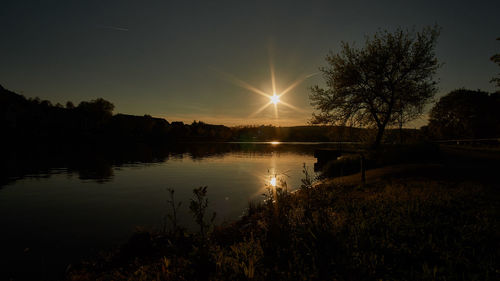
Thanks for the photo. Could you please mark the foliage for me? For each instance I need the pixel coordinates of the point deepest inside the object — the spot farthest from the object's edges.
(345, 165)
(239, 261)
(402, 229)
(384, 156)
(198, 207)
(496, 59)
(308, 180)
(93, 121)
(465, 113)
(98, 106)
(172, 215)
(387, 82)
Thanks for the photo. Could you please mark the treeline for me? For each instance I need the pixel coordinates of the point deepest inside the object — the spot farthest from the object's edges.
(93, 121)
(460, 114)
(465, 114)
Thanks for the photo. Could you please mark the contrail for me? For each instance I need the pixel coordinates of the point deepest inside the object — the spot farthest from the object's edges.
(113, 27)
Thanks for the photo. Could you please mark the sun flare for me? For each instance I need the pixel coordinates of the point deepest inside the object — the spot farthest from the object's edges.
(275, 99)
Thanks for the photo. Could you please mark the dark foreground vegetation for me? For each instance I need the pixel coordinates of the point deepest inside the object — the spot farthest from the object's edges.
(427, 221)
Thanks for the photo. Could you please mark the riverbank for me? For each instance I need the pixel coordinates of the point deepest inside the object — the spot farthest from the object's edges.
(435, 221)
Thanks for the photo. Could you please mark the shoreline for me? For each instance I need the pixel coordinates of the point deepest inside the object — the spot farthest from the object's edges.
(431, 199)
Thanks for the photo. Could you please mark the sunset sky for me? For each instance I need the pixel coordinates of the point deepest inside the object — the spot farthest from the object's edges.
(186, 60)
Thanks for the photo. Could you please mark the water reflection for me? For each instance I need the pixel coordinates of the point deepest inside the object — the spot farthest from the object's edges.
(96, 163)
(272, 182)
(65, 203)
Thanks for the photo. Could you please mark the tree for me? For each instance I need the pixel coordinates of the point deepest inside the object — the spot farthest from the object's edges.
(496, 59)
(466, 114)
(387, 82)
(98, 106)
(95, 114)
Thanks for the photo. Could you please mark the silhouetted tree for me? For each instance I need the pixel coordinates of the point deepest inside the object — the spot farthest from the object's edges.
(95, 114)
(386, 82)
(466, 114)
(496, 59)
(97, 106)
(46, 103)
(35, 100)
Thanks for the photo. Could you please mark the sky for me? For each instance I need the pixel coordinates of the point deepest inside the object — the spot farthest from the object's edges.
(189, 60)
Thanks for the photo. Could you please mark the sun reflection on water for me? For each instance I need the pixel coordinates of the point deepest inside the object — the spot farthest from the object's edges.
(272, 182)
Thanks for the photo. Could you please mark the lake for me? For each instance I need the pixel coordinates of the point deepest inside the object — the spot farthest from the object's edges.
(61, 204)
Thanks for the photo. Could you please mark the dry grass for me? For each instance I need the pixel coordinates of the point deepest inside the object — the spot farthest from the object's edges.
(409, 222)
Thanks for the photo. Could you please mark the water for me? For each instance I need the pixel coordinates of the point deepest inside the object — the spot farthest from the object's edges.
(63, 208)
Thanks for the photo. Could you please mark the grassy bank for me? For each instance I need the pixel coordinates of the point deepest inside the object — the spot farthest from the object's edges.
(408, 222)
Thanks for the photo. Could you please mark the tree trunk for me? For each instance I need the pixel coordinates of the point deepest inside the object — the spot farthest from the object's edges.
(378, 139)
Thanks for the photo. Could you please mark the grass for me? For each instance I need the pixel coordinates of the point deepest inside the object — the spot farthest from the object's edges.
(401, 225)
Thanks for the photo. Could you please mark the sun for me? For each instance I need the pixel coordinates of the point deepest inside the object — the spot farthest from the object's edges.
(275, 99)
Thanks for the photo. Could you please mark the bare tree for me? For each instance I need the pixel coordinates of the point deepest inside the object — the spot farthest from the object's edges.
(386, 82)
